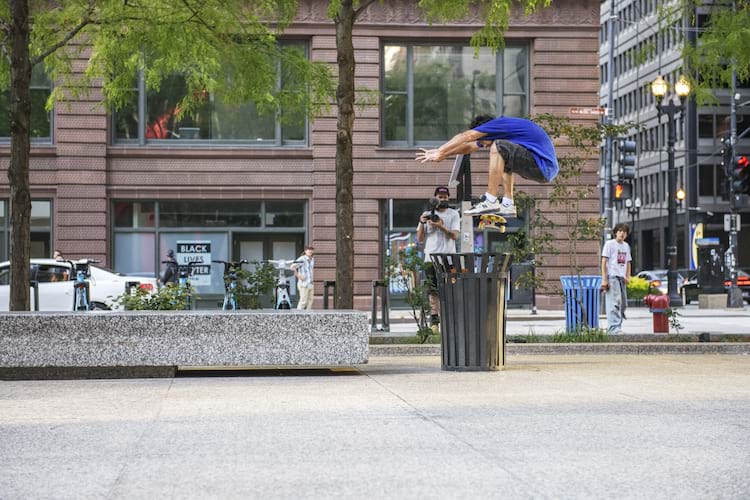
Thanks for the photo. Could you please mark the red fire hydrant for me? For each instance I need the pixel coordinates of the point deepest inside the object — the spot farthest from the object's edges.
(658, 305)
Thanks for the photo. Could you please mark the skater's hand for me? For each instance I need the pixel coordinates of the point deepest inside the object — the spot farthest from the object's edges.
(424, 155)
(438, 224)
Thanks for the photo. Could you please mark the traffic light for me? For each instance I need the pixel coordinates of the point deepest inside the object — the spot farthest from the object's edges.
(622, 191)
(627, 158)
(741, 175)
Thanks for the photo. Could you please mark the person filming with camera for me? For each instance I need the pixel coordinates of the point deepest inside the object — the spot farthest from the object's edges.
(438, 229)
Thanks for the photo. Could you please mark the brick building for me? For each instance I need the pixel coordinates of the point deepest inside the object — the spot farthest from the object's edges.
(126, 187)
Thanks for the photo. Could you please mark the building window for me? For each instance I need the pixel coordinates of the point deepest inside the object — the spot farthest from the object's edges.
(432, 92)
(157, 117)
(41, 229)
(41, 119)
(400, 234)
(143, 232)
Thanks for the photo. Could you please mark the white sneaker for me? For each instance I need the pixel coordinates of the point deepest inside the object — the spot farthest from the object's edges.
(507, 210)
(485, 207)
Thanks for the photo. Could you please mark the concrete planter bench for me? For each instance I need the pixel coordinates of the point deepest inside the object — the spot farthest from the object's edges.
(183, 338)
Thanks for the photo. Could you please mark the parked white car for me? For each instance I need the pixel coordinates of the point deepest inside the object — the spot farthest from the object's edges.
(56, 280)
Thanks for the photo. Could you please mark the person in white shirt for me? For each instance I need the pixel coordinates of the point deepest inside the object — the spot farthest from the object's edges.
(303, 271)
(616, 261)
(438, 236)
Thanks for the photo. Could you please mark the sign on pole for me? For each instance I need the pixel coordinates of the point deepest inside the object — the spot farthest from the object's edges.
(732, 222)
(588, 111)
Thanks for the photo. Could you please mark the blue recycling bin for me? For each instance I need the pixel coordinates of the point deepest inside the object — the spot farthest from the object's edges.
(581, 301)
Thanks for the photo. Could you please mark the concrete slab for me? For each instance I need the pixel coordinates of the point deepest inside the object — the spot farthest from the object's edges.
(547, 426)
(712, 301)
(176, 338)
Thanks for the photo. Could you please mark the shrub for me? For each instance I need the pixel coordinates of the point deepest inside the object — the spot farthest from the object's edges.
(253, 286)
(638, 288)
(170, 297)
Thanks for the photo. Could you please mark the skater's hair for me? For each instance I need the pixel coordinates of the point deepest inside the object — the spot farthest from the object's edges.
(621, 226)
(480, 120)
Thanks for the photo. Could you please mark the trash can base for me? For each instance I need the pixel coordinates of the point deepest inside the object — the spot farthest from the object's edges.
(473, 368)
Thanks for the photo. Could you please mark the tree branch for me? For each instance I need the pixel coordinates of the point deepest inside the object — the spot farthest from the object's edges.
(84, 22)
(5, 30)
(363, 7)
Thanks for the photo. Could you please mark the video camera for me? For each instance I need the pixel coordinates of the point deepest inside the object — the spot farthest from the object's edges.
(435, 205)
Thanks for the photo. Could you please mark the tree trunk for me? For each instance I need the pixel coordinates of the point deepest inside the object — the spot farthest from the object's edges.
(344, 166)
(18, 172)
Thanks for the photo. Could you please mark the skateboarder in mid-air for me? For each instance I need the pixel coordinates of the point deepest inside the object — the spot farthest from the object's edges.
(517, 146)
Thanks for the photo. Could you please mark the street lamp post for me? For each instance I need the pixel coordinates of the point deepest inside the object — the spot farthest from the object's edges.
(671, 109)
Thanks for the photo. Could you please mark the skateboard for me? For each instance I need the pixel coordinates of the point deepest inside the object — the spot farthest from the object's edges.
(494, 222)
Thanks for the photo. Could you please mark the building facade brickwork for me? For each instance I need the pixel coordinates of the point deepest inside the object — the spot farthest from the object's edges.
(84, 171)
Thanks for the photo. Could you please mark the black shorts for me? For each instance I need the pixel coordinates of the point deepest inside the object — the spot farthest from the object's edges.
(520, 161)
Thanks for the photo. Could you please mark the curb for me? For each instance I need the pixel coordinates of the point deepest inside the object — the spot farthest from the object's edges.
(739, 348)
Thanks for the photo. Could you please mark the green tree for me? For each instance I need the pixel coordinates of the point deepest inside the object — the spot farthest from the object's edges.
(217, 45)
(227, 45)
(345, 13)
(720, 43)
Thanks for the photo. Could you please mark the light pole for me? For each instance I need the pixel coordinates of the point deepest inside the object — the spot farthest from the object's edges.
(671, 108)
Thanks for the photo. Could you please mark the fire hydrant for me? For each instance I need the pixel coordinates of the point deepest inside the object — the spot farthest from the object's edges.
(658, 305)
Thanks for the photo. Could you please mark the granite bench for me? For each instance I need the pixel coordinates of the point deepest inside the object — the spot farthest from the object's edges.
(183, 338)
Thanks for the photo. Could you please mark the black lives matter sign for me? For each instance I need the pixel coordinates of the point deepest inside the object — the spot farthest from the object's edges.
(200, 253)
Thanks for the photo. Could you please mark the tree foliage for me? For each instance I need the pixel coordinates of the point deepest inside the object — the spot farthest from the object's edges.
(225, 46)
(569, 191)
(496, 14)
(721, 43)
(406, 273)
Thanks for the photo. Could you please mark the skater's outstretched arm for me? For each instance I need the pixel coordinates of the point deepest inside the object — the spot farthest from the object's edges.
(463, 143)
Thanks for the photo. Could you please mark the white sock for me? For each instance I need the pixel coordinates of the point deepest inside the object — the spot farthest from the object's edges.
(490, 198)
(507, 201)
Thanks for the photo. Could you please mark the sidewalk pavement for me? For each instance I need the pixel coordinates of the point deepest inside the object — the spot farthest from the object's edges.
(578, 427)
(639, 321)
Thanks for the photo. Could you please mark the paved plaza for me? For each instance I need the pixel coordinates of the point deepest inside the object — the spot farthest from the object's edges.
(546, 427)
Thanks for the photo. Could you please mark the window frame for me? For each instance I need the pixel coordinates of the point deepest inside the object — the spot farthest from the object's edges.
(158, 230)
(410, 44)
(141, 140)
(46, 140)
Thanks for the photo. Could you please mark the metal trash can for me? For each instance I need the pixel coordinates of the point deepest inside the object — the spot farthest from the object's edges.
(581, 301)
(472, 291)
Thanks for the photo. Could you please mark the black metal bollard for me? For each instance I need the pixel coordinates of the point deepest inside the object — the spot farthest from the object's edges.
(326, 286)
(382, 287)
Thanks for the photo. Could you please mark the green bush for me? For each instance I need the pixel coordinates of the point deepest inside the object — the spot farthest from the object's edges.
(638, 288)
(252, 287)
(171, 297)
(581, 335)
